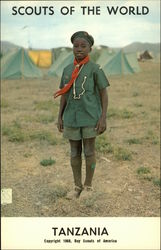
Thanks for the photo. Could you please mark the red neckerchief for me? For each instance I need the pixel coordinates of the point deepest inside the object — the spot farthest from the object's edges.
(73, 77)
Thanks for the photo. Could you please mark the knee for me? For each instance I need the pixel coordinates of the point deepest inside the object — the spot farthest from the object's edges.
(75, 152)
(89, 147)
(76, 148)
(88, 151)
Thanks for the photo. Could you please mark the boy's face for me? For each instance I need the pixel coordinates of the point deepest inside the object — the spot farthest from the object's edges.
(81, 48)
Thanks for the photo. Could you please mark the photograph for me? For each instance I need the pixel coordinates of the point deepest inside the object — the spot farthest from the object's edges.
(80, 121)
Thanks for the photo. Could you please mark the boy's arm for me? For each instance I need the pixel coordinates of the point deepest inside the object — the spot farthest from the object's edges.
(101, 124)
(61, 111)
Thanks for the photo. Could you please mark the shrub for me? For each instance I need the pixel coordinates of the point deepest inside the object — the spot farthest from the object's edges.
(112, 113)
(138, 105)
(135, 94)
(90, 202)
(143, 170)
(134, 141)
(26, 155)
(152, 137)
(44, 105)
(17, 136)
(122, 154)
(157, 182)
(45, 118)
(6, 130)
(103, 146)
(14, 132)
(47, 162)
(4, 104)
(43, 136)
(58, 192)
(125, 114)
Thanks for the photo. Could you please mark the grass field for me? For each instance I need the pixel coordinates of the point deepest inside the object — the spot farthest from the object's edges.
(35, 157)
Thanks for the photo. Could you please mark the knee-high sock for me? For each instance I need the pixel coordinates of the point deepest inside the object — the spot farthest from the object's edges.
(90, 167)
(76, 164)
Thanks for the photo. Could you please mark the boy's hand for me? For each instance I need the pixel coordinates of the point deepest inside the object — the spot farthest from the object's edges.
(101, 125)
(60, 125)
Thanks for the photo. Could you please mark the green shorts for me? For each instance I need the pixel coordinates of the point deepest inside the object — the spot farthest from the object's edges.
(79, 133)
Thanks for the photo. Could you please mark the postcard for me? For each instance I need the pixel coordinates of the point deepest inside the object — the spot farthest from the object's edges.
(80, 119)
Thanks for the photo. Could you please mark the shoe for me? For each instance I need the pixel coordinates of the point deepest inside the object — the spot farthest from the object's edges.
(87, 193)
(74, 194)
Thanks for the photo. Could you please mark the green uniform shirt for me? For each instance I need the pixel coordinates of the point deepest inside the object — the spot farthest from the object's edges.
(85, 111)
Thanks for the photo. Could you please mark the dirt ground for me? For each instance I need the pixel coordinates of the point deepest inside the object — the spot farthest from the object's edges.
(127, 175)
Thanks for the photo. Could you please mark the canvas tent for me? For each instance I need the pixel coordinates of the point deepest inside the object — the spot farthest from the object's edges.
(145, 56)
(105, 55)
(17, 65)
(113, 62)
(62, 61)
(95, 53)
(41, 58)
(118, 63)
(57, 51)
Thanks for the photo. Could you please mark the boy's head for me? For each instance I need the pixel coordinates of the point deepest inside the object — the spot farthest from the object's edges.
(84, 35)
(82, 43)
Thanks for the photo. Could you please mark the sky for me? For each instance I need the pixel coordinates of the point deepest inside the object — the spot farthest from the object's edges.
(50, 31)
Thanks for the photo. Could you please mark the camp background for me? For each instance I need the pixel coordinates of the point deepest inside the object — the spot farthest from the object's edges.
(30, 138)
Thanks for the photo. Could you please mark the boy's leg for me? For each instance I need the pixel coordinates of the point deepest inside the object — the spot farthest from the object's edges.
(76, 161)
(89, 151)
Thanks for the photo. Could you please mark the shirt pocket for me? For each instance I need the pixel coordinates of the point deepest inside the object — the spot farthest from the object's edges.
(89, 85)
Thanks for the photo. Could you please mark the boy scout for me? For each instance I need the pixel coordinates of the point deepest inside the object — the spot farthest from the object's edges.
(82, 112)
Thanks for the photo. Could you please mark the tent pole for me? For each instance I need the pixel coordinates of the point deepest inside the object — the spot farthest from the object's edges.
(122, 69)
(22, 65)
